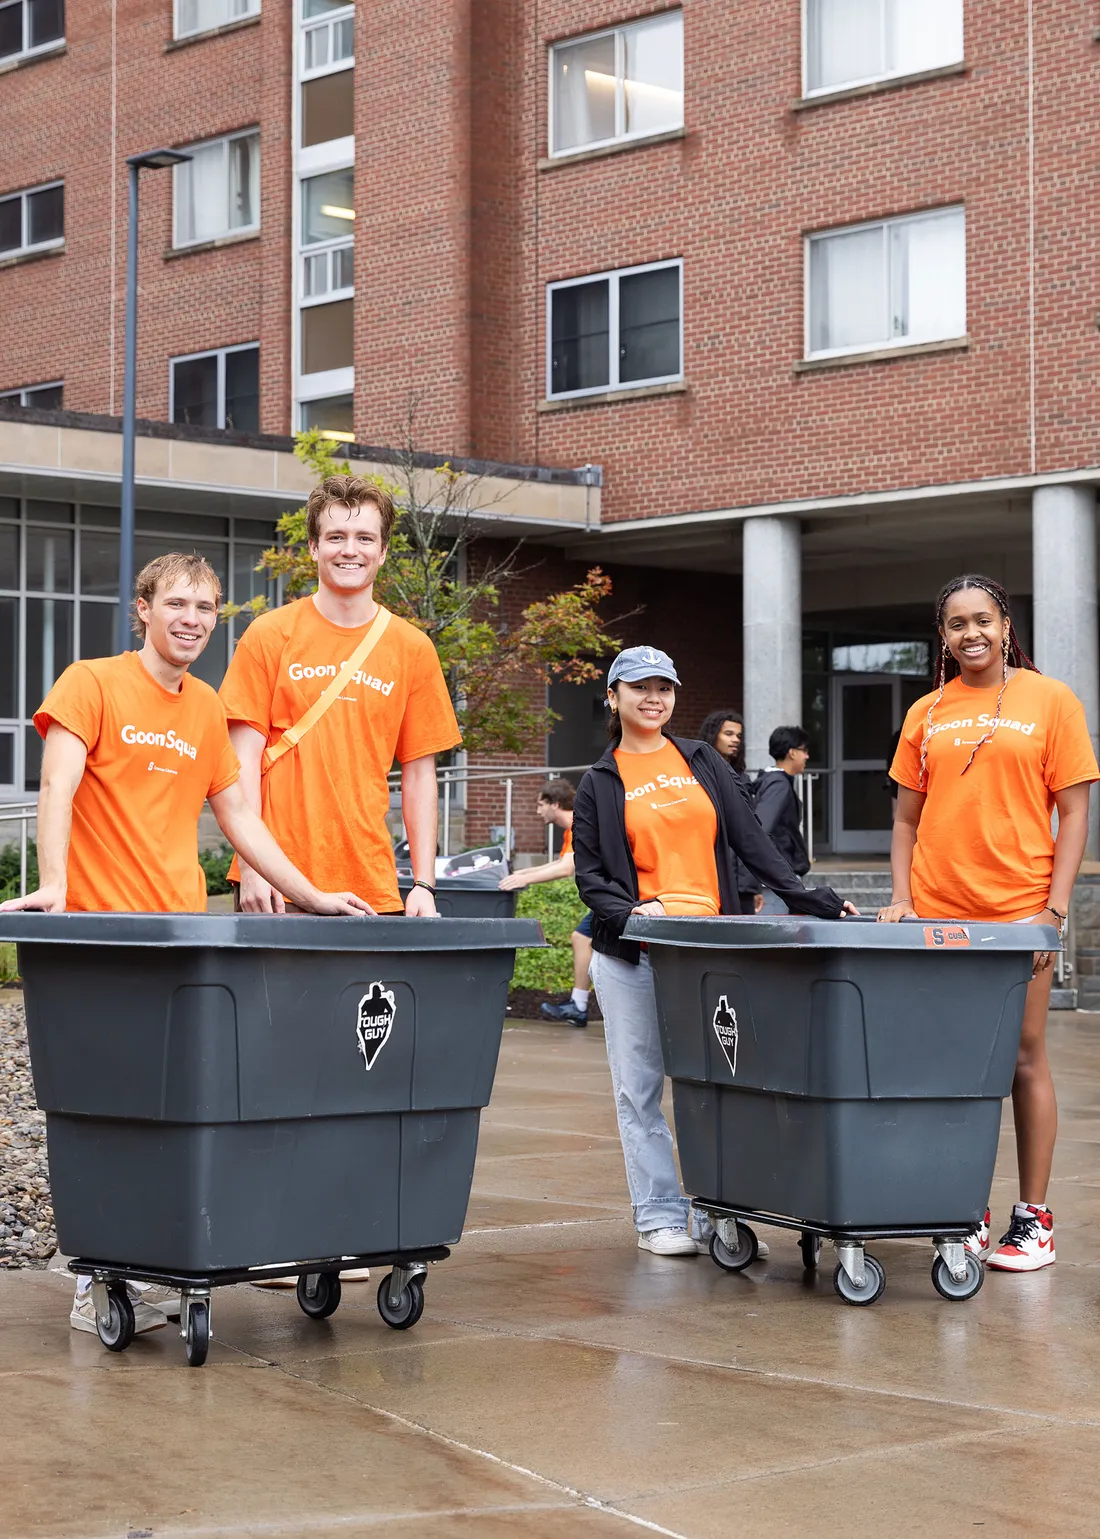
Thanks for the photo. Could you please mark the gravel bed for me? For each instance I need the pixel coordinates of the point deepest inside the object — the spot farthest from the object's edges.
(27, 1235)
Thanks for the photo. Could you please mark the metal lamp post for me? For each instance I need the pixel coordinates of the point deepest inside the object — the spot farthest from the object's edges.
(154, 160)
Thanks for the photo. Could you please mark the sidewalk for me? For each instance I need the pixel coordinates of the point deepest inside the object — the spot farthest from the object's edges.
(562, 1384)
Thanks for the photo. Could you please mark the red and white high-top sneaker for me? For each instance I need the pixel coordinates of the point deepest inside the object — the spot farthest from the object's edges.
(977, 1241)
(1028, 1243)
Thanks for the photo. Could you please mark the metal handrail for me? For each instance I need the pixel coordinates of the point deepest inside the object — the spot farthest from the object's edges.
(22, 813)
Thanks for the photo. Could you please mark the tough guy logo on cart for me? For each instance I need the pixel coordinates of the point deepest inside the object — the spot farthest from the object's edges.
(725, 1029)
(377, 1009)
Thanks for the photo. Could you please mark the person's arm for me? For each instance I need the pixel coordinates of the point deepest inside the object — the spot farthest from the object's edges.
(63, 761)
(552, 871)
(257, 895)
(247, 833)
(903, 841)
(1069, 851)
(420, 811)
(608, 899)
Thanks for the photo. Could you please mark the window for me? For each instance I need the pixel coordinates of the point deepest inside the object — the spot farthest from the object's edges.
(327, 337)
(204, 15)
(615, 330)
(218, 190)
(332, 414)
(33, 220)
(889, 284)
(219, 389)
(328, 222)
(45, 397)
(29, 25)
(850, 41)
(328, 36)
(328, 108)
(620, 84)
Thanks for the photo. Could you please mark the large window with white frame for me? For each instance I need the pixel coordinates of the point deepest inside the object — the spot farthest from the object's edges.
(217, 191)
(888, 284)
(617, 85)
(615, 330)
(32, 220)
(194, 16)
(327, 37)
(45, 397)
(28, 27)
(218, 389)
(327, 234)
(851, 42)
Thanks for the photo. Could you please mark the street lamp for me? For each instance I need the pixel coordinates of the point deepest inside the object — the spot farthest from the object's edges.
(154, 160)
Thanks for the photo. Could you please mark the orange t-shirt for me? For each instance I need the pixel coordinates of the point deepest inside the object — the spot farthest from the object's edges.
(153, 759)
(671, 826)
(326, 800)
(984, 845)
(567, 843)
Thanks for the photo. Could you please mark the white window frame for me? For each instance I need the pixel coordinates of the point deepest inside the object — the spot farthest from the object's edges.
(326, 248)
(809, 91)
(885, 225)
(252, 8)
(220, 353)
(613, 277)
(27, 52)
(231, 231)
(327, 23)
(26, 390)
(43, 245)
(620, 136)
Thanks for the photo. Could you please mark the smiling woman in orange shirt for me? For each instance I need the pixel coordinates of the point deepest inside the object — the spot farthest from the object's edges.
(981, 766)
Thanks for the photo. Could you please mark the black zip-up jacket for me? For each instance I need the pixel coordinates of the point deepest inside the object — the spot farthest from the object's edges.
(780, 814)
(604, 865)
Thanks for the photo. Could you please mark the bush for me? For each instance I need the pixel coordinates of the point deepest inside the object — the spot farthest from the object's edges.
(9, 869)
(215, 865)
(558, 907)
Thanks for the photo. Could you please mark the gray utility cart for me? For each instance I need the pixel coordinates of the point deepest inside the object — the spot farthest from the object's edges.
(229, 1097)
(842, 1078)
(473, 895)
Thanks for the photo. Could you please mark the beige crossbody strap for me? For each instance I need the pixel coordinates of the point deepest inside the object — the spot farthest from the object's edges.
(294, 735)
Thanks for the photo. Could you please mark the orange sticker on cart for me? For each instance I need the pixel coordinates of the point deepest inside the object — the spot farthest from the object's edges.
(946, 936)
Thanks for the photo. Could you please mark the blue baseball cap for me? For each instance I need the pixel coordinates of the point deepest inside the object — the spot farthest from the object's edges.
(638, 663)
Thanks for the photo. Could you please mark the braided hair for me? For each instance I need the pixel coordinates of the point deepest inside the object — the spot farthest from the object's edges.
(1013, 656)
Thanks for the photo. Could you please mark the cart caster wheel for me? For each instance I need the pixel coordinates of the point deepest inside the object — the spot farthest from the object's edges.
(117, 1335)
(810, 1246)
(734, 1260)
(197, 1340)
(408, 1312)
(325, 1301)
(874, 1281)
(947, 1287)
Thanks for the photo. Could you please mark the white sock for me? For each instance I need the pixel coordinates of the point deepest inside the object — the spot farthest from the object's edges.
(580, 998)
(1025, 1207)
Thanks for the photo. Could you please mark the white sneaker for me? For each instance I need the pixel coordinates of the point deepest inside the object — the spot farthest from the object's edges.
(667, 1242)
(146, 1318)
(977, 1241)
(157, 1296)
(355, 1274)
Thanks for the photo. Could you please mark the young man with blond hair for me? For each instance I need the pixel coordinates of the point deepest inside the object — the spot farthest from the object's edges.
(133, 747)
(323, 791)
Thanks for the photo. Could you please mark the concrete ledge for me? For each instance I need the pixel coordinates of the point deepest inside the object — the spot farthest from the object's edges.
(174, 252)
(873, 87)
(18, 258)
(550, 162)
(203, 37)
(881, 355)
(611, 397)
(26, 59)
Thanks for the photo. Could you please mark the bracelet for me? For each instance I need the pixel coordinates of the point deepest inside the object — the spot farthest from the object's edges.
(1057, 913)
(427, 886)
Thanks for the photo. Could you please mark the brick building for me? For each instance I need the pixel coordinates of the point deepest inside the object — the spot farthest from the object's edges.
(812, 284)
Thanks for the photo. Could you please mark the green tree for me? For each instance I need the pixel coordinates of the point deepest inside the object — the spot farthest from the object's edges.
(433, 577)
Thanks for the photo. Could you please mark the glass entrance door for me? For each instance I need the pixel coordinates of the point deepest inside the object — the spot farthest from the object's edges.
(866, 713)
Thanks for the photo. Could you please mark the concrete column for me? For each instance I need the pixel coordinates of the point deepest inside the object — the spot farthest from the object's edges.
(1063, 553)
(773, 631)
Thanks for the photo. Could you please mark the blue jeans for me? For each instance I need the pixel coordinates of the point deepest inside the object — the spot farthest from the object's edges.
(629, 1008)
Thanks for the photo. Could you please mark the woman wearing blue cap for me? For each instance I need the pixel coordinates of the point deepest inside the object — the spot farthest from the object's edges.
(658, 825)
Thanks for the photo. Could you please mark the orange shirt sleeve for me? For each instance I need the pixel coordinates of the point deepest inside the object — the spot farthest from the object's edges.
(1069, 759)
(429, 724)
(227, 768)
(567, 842)
(906, 766)
(249, 684)
(75, 703)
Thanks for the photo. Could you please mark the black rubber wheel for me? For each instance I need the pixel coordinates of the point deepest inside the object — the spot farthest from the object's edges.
(197, 1341)
(810, 1246)
(326, 1300)
(119, 1333)
(410, 1309)
(734, 1260)
(874, 1281)
(946, 1286)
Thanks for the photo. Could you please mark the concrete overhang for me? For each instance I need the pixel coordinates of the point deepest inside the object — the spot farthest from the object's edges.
(77, 457)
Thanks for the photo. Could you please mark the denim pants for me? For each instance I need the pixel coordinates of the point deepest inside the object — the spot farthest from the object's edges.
(629, 1007)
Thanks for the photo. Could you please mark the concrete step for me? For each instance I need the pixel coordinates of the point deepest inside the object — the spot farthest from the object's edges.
(868, 890)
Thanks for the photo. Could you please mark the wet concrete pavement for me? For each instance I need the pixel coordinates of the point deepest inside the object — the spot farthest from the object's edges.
(561, 1383)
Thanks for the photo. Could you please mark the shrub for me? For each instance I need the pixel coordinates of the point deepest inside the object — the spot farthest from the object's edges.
(215, 865)
(557, 905)
(9, 869)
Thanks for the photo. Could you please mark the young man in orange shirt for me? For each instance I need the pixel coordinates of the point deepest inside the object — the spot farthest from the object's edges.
(326, 799)
(134, 746)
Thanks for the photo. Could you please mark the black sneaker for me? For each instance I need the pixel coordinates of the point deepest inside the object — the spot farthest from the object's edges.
(567, 1014)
